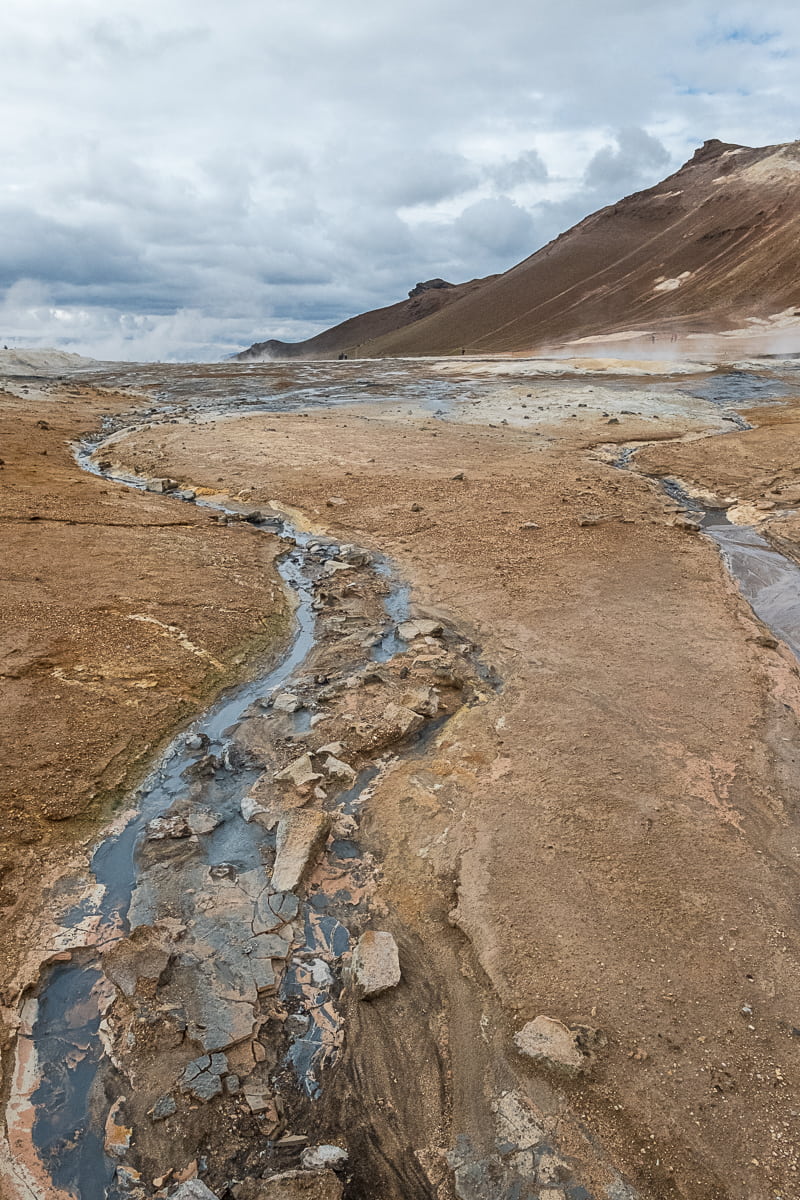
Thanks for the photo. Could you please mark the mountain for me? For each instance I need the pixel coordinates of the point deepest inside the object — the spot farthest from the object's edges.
(715, 246)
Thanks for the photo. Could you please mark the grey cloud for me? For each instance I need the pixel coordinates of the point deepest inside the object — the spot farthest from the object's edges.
(179, 176)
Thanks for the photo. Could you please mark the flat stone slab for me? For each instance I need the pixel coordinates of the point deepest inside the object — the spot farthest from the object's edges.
(551, 1043)
(301, 835)
(376, 963)
(300, 773)
(420, 627)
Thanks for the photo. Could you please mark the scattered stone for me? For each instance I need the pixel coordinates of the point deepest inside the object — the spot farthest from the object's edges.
(204, 821)
(203, 1076)
(161, 484)
(335, 501)
(233, 1085)
(300, 773)
(339, 770)
(258, 1099)
(416, 508)
(612, 421)
(315, 1158)
(459, 475)
(423, 700)
(404, 720)
(529, 525)
(161, 828)
(164, 1107)
(420, 627)
(196, 741)
(551, 1043)
(376, 963)
(301, 835)
(193, 1189)
(332, 567)
(686, 523)
(334, 748)
(287, 702)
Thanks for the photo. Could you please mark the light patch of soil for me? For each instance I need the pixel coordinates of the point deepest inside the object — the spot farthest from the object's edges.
(122, 614)
(615, 831)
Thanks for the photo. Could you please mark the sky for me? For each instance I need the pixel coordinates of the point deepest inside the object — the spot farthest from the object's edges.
(181, 178)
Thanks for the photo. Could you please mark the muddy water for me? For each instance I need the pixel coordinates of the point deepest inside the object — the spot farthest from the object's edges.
(69, 1105)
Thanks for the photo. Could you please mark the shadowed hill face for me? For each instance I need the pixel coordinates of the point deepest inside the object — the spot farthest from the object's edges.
(711, 248)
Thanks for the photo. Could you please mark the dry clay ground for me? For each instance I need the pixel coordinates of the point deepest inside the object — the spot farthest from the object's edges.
(616, 830)
(121, 613)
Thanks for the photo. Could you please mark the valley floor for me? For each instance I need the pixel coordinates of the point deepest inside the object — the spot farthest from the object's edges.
(610, 837)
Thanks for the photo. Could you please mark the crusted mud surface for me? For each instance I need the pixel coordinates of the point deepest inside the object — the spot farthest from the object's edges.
(599, 826)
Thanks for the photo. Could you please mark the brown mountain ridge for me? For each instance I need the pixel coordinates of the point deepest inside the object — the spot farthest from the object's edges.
(713, 247)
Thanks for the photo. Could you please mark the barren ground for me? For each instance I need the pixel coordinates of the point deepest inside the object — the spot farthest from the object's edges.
(615, 831)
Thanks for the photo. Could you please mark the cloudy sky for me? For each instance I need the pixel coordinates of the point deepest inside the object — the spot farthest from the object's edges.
(179, 178)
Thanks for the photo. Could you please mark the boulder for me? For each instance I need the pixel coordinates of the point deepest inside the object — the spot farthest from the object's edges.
(161, 484)
(193, 1189)
(336, 769)
(315, 1158)
(420, 627)
(404, 721)
(300, 773)
(423, 700)
(376, 963)
(301, 835)
(552, 1044)
(287, 702)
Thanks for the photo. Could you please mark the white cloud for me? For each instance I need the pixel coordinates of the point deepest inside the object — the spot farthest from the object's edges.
(182, 178)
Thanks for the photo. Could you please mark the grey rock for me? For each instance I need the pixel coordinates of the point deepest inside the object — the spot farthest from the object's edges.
(161, 484)
(273, 910)
(162, 828)
(193, 1189)
(376, 963)
(315, 1158)
(336, 769)
(422, 700)
(287, 702)
(164, 1107)
(300, 773)
(403, 720)
(551, 1043)
(419, 627)
(301, 835)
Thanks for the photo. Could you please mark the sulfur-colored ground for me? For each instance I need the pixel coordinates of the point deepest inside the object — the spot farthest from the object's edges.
(616, 829)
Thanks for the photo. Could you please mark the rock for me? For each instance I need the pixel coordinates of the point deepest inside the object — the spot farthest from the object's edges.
(423, 700)
(193, 1189)
(334, 748)
(287, 702)
(551, 1043)
(301, 835)
(376, 963)
(529, 525)
(316, 1158)
(274, 910)
(204, 821)
(332, 567)
(335, 501)
(459, 475)
(612, 421)
(688, 524)
(258, 1099)
(420, 627)
(404, 720)
(416, 508)
(161, 484)
(300, 773)
(161, 828)
(203, 1076)
(196, 741)
(339, 770)
(142, 956)
(164, 1107)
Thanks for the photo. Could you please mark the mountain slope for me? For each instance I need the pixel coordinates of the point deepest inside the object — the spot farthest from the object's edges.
(713, 246)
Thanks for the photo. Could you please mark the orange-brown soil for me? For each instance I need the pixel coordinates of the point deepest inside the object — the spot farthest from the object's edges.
(121, 614)
(615, 831)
